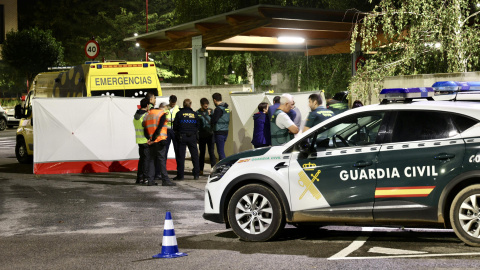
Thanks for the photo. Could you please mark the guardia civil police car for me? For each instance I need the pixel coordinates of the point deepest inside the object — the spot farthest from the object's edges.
(413, 162)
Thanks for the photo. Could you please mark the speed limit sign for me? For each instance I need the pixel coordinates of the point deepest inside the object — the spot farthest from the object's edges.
(92, 49)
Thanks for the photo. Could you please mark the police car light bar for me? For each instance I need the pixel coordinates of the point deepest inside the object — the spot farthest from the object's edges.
(448, 87)
(405, 94)
(453, 90)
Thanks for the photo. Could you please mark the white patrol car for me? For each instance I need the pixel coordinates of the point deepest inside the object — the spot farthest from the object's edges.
(405, 163)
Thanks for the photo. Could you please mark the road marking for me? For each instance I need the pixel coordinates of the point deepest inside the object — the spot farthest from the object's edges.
(394, 251)
(356, 244)
(407, 256)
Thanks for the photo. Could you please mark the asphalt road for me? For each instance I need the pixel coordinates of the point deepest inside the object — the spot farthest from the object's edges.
(104, 221)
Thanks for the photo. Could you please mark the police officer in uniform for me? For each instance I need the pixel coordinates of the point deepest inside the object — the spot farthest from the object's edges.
(281, 126)
(185, 126)
(205, 134)
(318, 114)
(220, 121)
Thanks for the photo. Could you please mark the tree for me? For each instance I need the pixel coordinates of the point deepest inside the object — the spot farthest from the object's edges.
(414, 37)
(31, 51)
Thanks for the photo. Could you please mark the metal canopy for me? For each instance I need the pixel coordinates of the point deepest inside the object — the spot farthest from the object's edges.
(257, 28)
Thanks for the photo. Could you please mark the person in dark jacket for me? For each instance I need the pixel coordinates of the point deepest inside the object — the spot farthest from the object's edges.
(186, 126)
(220, 122)
(143, 149)
(205, 134)
(261, 127)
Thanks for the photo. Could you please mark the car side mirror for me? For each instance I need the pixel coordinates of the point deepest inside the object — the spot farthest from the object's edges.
(304, 148)
(18, 112)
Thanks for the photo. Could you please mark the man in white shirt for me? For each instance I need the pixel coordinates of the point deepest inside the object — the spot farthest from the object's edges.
(282, 127)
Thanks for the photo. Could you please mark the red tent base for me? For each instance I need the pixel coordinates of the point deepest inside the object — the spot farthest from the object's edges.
(92, 166)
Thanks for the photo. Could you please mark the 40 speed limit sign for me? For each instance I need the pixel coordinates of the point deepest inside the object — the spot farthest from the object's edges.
(92, 49)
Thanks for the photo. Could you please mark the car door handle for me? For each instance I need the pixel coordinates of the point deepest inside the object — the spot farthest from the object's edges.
(444, 156)
(362, 163)
(280, 166)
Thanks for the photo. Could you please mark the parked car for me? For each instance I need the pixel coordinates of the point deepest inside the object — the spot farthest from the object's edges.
(3, 119)
(11, 120)
(400, 162)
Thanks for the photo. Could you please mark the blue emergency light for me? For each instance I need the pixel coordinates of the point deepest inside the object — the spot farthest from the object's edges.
(453, 86)
(405, 94)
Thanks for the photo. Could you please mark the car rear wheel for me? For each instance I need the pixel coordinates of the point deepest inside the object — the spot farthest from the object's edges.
(3, 124)
(465, 215)
(21, 152)
(255, 213)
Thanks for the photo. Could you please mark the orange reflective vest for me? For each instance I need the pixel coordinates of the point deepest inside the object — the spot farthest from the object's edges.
(151, 123)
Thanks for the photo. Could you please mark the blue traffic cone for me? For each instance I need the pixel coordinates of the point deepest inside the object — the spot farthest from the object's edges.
(169, 241)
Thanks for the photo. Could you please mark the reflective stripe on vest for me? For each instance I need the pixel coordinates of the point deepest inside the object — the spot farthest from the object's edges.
(151, 123)
(223, 121)
(279, 136)
(171, 113)
(139, 130)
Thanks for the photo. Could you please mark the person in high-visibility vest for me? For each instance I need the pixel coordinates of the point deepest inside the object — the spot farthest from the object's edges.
(155, 124)
(171, 111)
(143, 148)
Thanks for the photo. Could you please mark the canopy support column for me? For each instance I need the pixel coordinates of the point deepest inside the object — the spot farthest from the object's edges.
(355, 55)
(199, 62)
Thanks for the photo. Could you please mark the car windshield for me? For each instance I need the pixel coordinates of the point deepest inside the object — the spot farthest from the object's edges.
(354, 130)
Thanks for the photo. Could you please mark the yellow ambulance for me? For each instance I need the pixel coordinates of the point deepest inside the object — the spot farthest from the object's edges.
(123, 79)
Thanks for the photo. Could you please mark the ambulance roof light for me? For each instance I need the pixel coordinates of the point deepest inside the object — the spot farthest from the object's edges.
(405, 94)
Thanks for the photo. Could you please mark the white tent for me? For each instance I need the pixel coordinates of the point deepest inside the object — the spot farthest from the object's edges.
(83, 135)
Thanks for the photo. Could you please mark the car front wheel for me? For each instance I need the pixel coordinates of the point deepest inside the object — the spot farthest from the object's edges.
(255, 213)
(21, 152)
(3, 124)
(465, 215)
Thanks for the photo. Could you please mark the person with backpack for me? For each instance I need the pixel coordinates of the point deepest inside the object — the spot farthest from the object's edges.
(205, 134)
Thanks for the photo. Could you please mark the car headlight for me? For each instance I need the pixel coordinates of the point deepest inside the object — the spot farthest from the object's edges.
(220, 169)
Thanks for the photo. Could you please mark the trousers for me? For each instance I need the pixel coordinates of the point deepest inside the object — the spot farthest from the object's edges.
(220, 140)
(202, 144)
(157, 153)
(143, 161)
(184, 142)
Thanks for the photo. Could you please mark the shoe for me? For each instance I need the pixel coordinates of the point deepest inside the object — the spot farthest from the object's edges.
(176, 178)
(152, 184)
(139, 181)
(168, 183)
(196, 177)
